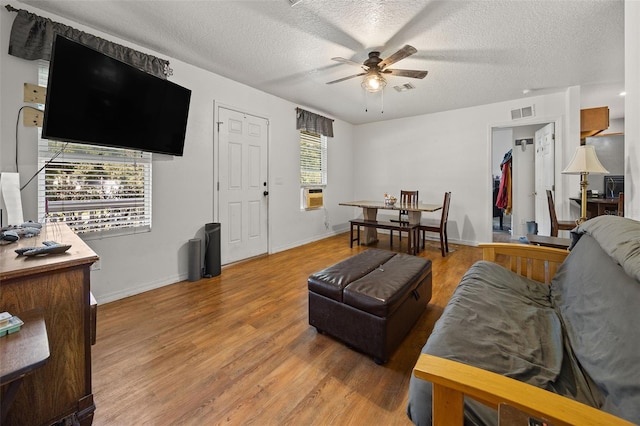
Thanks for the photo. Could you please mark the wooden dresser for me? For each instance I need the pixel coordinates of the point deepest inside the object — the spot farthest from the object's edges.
(59, 286)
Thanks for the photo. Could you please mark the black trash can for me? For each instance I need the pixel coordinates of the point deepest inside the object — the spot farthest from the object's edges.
(212, 266)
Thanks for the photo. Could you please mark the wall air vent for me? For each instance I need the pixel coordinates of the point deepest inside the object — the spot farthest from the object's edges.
(404, 87)
(523, 112)
(527, 112)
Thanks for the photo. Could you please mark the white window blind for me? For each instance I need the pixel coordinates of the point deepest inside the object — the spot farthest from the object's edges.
(313, 159)
(93, 188)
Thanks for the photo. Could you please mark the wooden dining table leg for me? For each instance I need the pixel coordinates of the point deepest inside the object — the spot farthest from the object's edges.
(370, 233)
(414, 219)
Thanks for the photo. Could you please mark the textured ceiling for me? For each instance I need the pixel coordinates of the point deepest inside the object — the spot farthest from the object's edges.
(476, 52)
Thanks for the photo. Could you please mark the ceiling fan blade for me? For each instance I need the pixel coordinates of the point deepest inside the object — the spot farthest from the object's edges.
(400, 54)
(347, 78)
(406, 73)
(349, 62)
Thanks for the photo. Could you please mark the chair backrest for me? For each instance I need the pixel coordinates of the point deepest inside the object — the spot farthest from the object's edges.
(552, 214)
(621, 204)
(445, 210)
(408, 197)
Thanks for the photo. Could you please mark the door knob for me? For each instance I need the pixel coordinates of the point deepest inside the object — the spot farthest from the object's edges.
(265, 193)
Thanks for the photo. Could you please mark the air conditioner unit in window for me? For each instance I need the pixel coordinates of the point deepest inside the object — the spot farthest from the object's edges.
(313, 198)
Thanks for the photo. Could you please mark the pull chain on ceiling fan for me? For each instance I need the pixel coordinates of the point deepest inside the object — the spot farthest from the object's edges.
(375, 68)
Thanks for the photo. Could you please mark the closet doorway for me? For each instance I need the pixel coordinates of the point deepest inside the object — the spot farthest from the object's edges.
(516, 145)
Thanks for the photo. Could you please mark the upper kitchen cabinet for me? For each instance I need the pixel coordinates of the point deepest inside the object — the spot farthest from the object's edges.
(593, 121)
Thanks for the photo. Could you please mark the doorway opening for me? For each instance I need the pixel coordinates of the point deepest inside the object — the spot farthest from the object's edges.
(516, 214)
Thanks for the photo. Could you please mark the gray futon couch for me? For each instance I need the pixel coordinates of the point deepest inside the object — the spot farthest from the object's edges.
(578, 337)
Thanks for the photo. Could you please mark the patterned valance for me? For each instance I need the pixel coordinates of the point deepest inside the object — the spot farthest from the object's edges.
(313, 123)
(32, 38)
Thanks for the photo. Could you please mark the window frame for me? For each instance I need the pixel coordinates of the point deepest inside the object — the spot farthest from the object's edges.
(306, 141)
(129, 213)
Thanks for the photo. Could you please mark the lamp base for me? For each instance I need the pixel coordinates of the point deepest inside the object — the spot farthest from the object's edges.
(583, 192)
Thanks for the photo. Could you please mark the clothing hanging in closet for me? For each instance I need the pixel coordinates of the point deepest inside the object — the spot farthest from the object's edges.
(504, 194)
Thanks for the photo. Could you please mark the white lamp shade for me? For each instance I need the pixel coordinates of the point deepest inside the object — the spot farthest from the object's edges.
(585, 160)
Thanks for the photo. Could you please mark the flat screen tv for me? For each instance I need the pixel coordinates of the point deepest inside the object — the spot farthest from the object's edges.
(95, 99)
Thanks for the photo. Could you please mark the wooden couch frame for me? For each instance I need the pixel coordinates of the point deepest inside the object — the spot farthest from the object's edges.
(452, 380)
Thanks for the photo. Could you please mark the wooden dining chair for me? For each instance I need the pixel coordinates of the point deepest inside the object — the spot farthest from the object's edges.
(406, 197)
(440, 228)
(621, 204)
(557, 225)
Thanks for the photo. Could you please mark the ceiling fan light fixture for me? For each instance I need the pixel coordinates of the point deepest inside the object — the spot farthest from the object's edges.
(373, 82)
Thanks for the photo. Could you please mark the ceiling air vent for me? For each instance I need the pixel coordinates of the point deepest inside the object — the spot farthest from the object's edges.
(522, 112)
(404, 87)
(527, 112)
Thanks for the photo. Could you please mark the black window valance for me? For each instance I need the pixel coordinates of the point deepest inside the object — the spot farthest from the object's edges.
(32, 36)
(313, 123)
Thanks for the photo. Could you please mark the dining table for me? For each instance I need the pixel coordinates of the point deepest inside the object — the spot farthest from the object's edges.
(370, 212)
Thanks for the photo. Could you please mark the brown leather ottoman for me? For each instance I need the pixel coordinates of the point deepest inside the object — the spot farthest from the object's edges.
(371, 300)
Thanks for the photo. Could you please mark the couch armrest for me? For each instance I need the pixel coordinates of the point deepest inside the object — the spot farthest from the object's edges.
(535, 262)
(452, 380)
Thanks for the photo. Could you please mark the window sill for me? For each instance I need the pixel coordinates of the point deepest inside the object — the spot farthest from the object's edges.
(100, 235)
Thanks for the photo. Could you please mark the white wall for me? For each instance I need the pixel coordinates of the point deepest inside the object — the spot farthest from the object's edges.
(632, 108)
(502, 142)
(616, 125)
(183, 187)
(451, 151)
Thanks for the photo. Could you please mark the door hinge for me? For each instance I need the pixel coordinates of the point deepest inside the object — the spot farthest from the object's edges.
(218, 186)
(219, 123)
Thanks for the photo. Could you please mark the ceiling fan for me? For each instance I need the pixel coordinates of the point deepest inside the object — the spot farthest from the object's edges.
(374, 68)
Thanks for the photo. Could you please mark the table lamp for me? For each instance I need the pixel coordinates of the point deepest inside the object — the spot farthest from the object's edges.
(584, 161)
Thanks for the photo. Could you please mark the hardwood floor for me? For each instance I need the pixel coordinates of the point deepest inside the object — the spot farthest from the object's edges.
(238, 349)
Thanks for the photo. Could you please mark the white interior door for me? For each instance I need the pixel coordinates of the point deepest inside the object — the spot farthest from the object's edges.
(243, 190)
(545, 175)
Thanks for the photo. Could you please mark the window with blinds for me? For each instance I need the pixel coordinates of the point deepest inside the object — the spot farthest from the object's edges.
(93, 188)
(313, 159)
